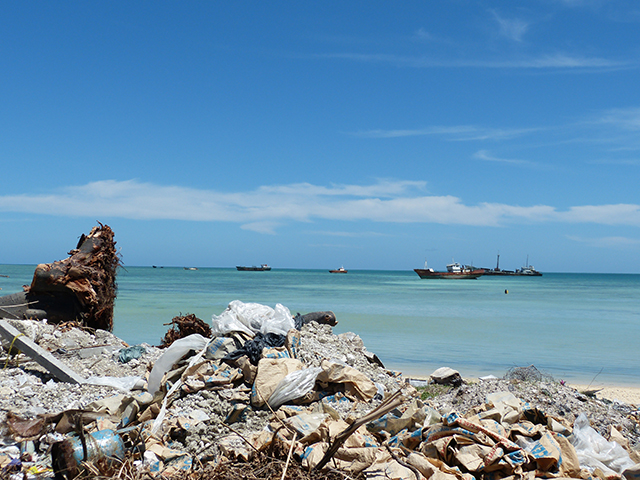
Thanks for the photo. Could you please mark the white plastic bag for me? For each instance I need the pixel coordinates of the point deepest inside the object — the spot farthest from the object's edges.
(193, 341)
(279, 322)
(228, 322)
(252, 318)
(175, 352)
(595, 451)
(122, 383)
(295, 385)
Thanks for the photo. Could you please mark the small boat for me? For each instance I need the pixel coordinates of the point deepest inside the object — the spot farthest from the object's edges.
(262, 268)
(454, 271)
(190, 268)
(339, 270)
(528, 270)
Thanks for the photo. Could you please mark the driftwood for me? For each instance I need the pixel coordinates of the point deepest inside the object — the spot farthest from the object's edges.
(186, 325)
(79, 288)
(394, 401)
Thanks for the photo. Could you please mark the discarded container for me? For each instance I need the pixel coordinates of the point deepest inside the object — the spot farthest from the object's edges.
(69, 454)
(103, 443)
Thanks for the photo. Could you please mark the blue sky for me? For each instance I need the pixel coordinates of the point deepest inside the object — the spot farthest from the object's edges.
(373, 135)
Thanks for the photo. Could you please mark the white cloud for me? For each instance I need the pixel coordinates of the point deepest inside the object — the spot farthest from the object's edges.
(485, 155)
(332, 233)
(422, 34)
(261, 227)
(382, 188)
(548, 61)
(620, 214)
(607, 242)
(625, 118)
(265, 209)
(454, 133)
(513, 29)
(615, 161)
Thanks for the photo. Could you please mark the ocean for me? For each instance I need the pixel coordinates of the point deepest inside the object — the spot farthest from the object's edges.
(581, 328)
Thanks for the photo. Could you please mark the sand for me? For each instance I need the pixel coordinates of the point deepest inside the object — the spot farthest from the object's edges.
(628, 395)
(623, 394)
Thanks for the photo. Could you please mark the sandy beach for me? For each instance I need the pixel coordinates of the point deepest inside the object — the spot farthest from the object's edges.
(629, 395)
(614, 393)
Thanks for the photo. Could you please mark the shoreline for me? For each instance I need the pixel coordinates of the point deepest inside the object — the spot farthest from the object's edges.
(627, 394)
(614, 393)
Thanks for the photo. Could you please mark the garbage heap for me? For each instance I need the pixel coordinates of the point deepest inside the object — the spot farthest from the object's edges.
(268, 383)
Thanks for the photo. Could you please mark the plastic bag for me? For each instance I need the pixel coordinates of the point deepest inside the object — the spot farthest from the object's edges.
(125, 355)
(295, 385)
(175, 352)
(228, 322)
(252, 318)
(122, 383)
(281, 321)
(595, 451)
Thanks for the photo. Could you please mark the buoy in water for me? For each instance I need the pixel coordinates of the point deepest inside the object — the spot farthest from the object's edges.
(506, 291)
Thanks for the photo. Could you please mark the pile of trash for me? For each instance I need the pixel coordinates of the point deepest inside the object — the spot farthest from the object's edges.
(266, 383)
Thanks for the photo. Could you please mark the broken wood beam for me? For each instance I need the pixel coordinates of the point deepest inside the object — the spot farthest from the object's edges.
(27, 346)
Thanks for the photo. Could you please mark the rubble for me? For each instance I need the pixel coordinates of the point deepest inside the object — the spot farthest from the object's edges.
(319, 400)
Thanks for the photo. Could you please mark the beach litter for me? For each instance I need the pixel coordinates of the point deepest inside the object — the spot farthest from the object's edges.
(281, 396)
(314, 397)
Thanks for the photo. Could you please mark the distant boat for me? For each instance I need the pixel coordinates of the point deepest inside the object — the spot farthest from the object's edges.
(526, 271)
(262, 268)
(339, 270)
(454, 271)
(190, 268)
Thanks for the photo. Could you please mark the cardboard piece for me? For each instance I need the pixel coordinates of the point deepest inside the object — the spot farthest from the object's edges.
(270, 372)
(357, 385)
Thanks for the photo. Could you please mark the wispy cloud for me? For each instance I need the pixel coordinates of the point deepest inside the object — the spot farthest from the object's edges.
(620, 214)
(616, 128)
(383, 188)
(454, 133)
(625, 118)
(613, 130)
(615, 161)
(262, 227)
(512, 28)
(607, 242)
(265, 209)
(422, 34)
(332, 233)
(546, 61)
(485, 155)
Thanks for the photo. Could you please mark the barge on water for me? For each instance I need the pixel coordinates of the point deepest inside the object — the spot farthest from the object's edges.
(526, 271)
(262, 268)
(454, 271)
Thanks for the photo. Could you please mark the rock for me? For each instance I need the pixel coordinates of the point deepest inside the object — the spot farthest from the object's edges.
(446, 376)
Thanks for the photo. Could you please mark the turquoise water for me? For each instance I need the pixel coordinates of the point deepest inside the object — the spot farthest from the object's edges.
(572, 326)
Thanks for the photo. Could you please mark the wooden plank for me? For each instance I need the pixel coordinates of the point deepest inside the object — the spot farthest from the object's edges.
(27, 346)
